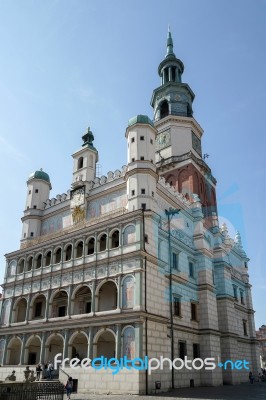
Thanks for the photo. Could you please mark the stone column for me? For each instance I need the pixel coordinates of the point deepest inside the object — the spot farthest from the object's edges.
(28, 309)
(22, 352)
(93, 298)
(47, 304)
(65, 350)
(119, 292)
(69, 301)
(11, 312)
(170, 73)
(138, 340)
(5, 350)
(118, 341)
(42, 347)
(90, 343)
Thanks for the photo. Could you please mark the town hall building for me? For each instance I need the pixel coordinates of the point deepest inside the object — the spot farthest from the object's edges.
(133, 263)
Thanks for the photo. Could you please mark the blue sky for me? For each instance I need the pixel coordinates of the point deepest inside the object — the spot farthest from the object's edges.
(69, 64)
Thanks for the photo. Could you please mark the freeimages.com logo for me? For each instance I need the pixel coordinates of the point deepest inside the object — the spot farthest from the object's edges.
(149, 364)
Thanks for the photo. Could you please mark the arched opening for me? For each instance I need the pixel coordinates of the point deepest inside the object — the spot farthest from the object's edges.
(58, 255)
(48, 259)
(20, 311)
(59, 304)
(106, 345)
(68, 253)
(54, 346)
(80, 162)
(107, 297)
(129, 235)
(114, 239)
(33, 351)
(39, 261)
(13, 351)
(39, 307)
(184, 183)
(30, 263)
(78, 346)
(21, 266)
(79, 249)
(164, 109)
(91, 246)
(102, 242)
(82, 301)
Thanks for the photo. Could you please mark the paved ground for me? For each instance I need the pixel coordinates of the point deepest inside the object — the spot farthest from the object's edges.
(257, 391)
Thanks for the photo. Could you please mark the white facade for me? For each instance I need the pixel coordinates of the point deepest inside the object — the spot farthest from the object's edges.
(102, 276)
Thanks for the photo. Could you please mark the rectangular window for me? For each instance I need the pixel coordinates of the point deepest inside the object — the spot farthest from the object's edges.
(194, 311)
(245, 328)
(142, 191)
(235, 292)
(35, 207)
(32, 234)
(196, 350)
(88, 307)
(177, 306)
(146, 238)
(241, 297)
(132, 192)
(175, 261)
(141, 137)
(142, 158)
(36, 190)
(132, 140)
(61, 311)
(152, 193)
(151, 141)
(182, 350)
(143, 206)
(191, 269)
(29, 191)
(132, 159)
(38, 309)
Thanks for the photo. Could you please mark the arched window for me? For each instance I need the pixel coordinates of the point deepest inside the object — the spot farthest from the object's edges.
(21, 266)
(91, 246)
(129, 235)
(68, 253)
(48, 259)
(39, 261)
(30, 264)
(114, 239)
(80, 162)
(80, 249)
(164, 109)
(102, 242)
(58, 255)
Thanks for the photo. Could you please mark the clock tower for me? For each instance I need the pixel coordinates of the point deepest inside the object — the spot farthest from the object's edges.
(178, 144)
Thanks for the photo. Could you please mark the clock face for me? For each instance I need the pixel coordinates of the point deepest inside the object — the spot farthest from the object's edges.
(78, 197)
(163, 139)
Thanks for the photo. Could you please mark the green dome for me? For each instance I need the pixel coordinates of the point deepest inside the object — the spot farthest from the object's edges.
(140, 119)
(40, 175)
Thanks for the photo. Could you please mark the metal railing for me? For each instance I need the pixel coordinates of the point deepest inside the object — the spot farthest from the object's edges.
(32, 391)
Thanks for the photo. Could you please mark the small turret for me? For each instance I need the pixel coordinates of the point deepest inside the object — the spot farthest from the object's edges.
(38, 190)
(85, 160)
(141, 174)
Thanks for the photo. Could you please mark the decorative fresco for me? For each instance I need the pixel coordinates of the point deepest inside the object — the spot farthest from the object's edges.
(2, 347)
(56, 223)
(106, 204)
(129, 343)
(128, 292)
(5, 312)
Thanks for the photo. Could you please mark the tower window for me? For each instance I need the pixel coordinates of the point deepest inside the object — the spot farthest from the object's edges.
(177, 306)
(245, 328)
(24, 235)
(151, 141)
(29, 191)
(36, 190)
(132, 159)
(142, 158)
(141, 137)
(132, 192)
(191, 269)
(132, 140)
(35, 207)
(80, 162)
(32, 234)
(193, 311)
(143, 206)
(142, 191)
(164, 109)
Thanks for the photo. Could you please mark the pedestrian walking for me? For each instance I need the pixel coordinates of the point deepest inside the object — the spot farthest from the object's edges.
(50, 370)
(69, 387)
(38, 371)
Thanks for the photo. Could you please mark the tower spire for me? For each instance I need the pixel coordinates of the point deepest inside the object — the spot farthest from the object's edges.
(170, 45)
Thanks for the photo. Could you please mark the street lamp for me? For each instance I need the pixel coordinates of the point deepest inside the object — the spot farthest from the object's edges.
(170, 213)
